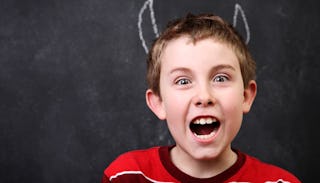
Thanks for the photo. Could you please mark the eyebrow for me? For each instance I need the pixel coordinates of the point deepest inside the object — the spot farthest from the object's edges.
(214, 69)
(223, 66)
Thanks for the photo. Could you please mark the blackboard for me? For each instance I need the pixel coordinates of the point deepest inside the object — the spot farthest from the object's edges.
(72, 83)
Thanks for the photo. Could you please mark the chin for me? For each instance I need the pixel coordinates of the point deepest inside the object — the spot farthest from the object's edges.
(206, 154)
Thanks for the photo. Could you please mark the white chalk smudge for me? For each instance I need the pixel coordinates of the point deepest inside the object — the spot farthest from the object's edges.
(238, 8)
(148, 3)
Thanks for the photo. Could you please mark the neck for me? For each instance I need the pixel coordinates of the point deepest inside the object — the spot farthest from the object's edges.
(203, 168)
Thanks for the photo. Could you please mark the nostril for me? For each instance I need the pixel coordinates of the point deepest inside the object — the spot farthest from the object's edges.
(204, 103)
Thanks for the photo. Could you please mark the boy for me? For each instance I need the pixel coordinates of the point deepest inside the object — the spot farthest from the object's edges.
(201, 80)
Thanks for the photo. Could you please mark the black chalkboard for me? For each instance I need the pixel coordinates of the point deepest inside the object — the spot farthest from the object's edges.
(72, 83)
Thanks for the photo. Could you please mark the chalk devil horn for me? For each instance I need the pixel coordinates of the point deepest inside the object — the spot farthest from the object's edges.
(237, 9)
(147, 4)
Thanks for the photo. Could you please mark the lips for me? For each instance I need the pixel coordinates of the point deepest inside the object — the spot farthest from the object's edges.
(204, 127)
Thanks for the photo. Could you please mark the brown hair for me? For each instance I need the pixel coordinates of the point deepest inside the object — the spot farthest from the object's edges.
(199, 27)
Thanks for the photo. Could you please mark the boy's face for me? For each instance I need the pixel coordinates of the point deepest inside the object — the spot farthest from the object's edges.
(202, 97)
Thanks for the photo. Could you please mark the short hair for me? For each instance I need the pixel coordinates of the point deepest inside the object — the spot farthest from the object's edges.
(199, 27)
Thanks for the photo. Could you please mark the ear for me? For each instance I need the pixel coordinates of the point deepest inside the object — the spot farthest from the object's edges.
(155, 103)
(249, 96)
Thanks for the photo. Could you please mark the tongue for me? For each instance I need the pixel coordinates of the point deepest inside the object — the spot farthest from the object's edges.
(202, 129)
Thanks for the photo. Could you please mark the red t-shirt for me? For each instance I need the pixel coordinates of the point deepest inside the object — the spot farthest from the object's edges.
(155, 165)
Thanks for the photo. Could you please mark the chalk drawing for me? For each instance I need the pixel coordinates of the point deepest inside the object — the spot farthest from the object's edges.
(149, 4)
(238, 8)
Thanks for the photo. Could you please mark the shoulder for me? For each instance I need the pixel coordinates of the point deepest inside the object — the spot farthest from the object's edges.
(132, 160)
(139, 163)
(266, 171)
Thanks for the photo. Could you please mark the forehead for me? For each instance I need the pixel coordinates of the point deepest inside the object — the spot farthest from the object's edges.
(184, 51)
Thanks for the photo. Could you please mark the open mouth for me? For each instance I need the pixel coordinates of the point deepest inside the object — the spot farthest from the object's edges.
(204, 128)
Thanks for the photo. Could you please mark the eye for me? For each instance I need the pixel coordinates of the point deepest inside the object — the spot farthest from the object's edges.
(183, 81)
(220, 78)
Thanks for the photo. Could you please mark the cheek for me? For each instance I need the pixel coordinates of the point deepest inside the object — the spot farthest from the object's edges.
(232, 103)
(173, 105)
(174, 115)
(176, 106)
(231, 107)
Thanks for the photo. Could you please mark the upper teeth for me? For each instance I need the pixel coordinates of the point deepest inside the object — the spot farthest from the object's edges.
(204, 121)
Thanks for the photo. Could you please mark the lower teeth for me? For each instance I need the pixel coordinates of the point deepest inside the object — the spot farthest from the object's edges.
(205, 136)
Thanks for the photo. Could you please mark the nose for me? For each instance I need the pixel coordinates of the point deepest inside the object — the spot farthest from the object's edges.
(204, 97)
